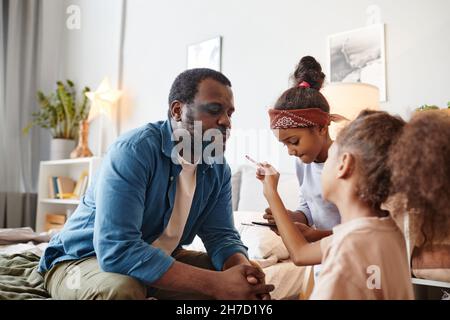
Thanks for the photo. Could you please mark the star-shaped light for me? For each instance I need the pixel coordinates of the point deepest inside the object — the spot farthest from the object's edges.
(102, 99)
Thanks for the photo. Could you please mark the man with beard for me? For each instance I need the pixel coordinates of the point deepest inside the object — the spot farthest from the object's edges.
(149, 199)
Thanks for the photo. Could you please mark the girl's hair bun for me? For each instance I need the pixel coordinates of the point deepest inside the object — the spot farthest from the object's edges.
(309, 70)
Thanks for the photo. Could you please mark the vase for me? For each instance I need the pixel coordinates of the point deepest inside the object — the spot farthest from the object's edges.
(82, 150)
(61, 148)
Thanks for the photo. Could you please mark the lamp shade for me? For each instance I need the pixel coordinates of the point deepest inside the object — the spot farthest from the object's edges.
(348, 99)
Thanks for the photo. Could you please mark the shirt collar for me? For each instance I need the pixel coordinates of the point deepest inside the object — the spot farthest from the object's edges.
(166, 133)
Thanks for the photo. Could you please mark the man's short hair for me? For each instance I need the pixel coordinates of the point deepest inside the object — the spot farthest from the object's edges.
(185, 86)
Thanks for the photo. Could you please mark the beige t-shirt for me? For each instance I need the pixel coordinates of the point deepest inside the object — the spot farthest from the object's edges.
(186, 183)
(365, 258)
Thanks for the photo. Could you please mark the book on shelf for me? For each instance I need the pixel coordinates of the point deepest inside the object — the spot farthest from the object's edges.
(67, 188)
(55, 218)
(55, 187)
(54, 221)
(51, 188)
(81, 185)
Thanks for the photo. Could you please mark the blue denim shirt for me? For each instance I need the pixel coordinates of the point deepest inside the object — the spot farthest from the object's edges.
(129, 205)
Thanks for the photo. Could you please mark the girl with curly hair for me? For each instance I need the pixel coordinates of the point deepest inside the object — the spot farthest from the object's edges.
(420, 164)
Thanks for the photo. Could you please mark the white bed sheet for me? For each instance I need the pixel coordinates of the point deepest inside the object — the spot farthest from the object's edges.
(287, 279)
(37, 249)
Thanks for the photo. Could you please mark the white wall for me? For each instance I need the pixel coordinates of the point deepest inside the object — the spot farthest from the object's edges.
(85, 55)
(92, 53)
(263, 41)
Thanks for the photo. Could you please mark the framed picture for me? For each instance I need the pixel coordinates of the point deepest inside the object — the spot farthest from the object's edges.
(205, 54)
(359, 56)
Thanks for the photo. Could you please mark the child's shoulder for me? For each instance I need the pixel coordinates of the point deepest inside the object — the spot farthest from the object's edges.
(360, 231)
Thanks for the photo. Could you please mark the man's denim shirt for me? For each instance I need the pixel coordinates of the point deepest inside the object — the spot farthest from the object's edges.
(129, 205)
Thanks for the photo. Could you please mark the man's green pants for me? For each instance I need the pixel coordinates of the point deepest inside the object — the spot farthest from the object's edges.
(83, 279)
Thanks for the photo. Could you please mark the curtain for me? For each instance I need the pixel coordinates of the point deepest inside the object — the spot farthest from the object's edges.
(17, 209)
(19, 153)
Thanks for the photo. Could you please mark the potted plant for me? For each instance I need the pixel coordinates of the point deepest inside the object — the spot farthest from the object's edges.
(60, 113)
(426, 107)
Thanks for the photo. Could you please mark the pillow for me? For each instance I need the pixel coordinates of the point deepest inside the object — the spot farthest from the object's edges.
(235, 187)
(262, 243)
(251, 196)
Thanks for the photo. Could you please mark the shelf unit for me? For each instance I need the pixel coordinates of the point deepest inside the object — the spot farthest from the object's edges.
(430, 289)
(68, 168)
(432, 283)
(423, 289)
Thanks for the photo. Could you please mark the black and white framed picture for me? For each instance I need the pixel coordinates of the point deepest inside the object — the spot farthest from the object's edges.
(205, 54)
(358, 56)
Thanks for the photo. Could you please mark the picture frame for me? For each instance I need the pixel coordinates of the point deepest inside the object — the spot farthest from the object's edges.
(358, 56)
(205, 54)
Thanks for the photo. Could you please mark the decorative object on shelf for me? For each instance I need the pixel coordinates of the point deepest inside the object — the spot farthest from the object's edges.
(359, 56)
(103, 99)
(348, 99)
(60, 113)
(426, 107)
(61, 148)
(205, 54)
(82, 150)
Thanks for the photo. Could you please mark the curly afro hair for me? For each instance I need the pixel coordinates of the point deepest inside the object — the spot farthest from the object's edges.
(420, 164)
(369, 138)
(185, 86)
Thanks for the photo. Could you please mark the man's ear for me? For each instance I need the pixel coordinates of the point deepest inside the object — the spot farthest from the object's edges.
(346, 165)
(175, 110)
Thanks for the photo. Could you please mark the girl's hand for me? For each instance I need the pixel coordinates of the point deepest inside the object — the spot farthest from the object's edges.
(269, 176)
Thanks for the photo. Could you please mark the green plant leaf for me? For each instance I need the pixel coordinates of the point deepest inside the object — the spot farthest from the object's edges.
(58, 111)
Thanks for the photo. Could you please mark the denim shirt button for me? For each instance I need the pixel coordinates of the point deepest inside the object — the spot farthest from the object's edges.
(171, 178)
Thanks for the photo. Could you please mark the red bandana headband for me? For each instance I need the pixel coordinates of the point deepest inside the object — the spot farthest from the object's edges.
(301, 118)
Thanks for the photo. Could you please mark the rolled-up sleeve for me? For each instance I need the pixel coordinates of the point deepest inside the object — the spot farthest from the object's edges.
(120, 198)
(220, 237)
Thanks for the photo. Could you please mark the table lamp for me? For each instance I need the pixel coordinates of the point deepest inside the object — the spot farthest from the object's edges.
(348, 99)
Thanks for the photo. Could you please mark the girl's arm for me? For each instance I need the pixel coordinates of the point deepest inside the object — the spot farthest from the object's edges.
(311, 234)
(300, 250)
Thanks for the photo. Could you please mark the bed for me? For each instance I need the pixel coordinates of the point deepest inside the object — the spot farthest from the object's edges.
(20, 251)
(21, 248)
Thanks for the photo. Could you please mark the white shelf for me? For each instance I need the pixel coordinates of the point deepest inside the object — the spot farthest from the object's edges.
(432, 283)
(69, 161)
(61, 201)
(71, 168)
